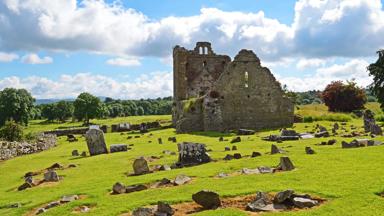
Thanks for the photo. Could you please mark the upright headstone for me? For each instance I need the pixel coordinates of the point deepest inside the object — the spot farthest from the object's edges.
(95, 142)
(192, 153)
(140, 166)
(369, 120)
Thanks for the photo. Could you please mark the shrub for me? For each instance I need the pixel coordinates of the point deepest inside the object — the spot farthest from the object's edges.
(308, 119)
(340, 97)
(379, 118)
(11, 131)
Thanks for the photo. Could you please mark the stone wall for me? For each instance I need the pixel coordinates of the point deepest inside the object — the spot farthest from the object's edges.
(13, 149)
(227, 94)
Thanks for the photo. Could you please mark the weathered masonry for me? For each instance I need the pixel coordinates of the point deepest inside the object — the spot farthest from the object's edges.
(213, 93)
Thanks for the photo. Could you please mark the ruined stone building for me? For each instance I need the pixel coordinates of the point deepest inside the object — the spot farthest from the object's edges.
(213, 93)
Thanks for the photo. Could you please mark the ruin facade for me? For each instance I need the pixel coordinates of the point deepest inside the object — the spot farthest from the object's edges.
(213, 93)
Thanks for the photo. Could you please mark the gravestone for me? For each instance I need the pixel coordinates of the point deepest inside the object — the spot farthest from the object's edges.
(95, 142)
(51, 176)
(369, 120)
(140, 166)
(286, 164)
(192, 153)
(118, 148)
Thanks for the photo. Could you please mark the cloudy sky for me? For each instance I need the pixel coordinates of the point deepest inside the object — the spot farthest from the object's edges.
(122, 49)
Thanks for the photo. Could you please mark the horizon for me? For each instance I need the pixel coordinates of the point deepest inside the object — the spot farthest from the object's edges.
(122, 49)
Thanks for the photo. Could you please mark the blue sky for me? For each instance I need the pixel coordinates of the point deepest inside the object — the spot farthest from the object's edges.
(122, 49)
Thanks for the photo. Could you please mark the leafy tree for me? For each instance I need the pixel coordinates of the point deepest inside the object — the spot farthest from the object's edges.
(49, 112)
(340, 97)
(377, 71)
(140, 111)
(87, 107)
(15, 104)
(11, 131)
(64, 110)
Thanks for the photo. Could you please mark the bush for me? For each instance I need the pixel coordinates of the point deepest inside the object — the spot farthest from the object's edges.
(308, 119)
(340, 97)
(11, 131)
(379, 118)
(336, 117)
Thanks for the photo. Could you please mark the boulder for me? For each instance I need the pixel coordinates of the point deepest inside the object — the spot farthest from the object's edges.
(118, 148)
(304, 202)
(256, 154)
(236, 140)
(283, 196)
(75, 153)
(51, 176)
(164, 209)
(237, 156)
(140, 166)
(181, 179)
(95, 142)
(143, 212)
(192, 153)
(286, 164)
(118, 188)
(135, 188)
(309, 150)
(207, 199)
(234, 148)
(245, 132)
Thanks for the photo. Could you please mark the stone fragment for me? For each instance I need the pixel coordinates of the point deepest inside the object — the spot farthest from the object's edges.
(172, 139)
(135, 188)
(118, 148)
(40, 211)
(227, 149)
(228, 157)
(118, 188)
(304, 202)
(283, 196)
(245, 132)
(237, 156)
(24, 186)
(306, 136)
(159, 140)
(236, 140)
(256, 154)
(331, 142)
(52, 204)
(69, 198)
(247, 171)
(181, 179)
(275, 149)
(51, 176)
(286, 164)
(309, 150)
(140, 166)
(83, 154)
(164, 168)
(192, 153)
(96, 142)
(143, 212)
(221, 139)
(75, 153)
(286, 132)
(55, 166)
(264, 170)
(207, 199)
(164, 209)
(234, 148)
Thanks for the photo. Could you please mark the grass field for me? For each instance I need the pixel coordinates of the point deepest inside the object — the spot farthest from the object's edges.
(347, 178)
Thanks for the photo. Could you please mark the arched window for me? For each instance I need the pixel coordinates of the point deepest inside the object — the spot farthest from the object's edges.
(246, 79)
(206, 50)
(201, 50)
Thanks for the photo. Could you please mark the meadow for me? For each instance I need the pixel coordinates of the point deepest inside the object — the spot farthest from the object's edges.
(349, 179)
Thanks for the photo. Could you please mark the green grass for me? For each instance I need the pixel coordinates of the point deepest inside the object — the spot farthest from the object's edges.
(347, 178)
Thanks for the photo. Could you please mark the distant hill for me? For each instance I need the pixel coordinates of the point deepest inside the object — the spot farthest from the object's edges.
(48, 101)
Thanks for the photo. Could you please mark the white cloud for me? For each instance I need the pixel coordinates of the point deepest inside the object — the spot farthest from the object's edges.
(33, 58)
(326, 28)
(157, 84)
(8, 57)
(125, 62)
(354, 69)
(310, 63)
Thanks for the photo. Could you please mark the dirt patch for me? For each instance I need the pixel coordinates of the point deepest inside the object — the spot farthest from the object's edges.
(35, 211)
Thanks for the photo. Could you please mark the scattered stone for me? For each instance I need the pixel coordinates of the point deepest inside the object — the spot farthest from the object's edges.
(118, 148)
(40, 211)
(192, 154)
(331, 142)
(221, 139)
(281, 197)
(140, 166)
(322, 134)
(71, 138)
(304, 202)
(256, 154)
(159, 140)
(275, 150)
(289, 133)
(52, 204)
(309, 150)
(143, 212)
(172, 139)
(55, 166)
(24, 186)
(207, 199)
(118, 188)
(369, 120)
(234, 148)
(237, 156)
(228, 157)
(286, 164)
(83, 154)
(72, 165)
(222, 175)
(51, 176)
(165, 168)
(181, 179)
(69, 198)
(247, 171)
(264, 170)
(95, 142)
(164, 209)
(306, 136)
(227, 148)
(245, 132)
(135, 188)
(75, 153)
(236, 140)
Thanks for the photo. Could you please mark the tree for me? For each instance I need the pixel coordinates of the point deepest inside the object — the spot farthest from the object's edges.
(140, 111)
(49, 112)
(11, 131)
(340, 97)
(64, 110)
(377, 71)
(87, 107)
(15, 104)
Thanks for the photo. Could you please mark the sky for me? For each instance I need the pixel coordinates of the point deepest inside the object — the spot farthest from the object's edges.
(57, 49)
